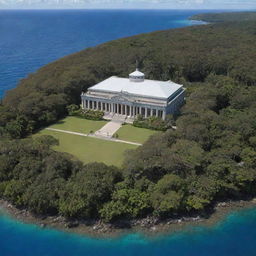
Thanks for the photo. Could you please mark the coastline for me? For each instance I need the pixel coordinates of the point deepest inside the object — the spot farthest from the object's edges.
(150, 227)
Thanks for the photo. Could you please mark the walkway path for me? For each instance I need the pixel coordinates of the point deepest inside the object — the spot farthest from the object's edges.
(95, 136)
(109, 129)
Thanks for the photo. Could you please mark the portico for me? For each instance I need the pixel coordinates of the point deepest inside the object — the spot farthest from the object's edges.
(128, 110)
(134, 96)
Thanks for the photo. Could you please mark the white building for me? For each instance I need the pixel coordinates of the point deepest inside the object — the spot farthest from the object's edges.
(135, 95)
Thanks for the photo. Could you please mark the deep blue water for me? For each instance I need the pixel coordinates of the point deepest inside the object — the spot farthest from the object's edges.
(235, 236)
(30, 39)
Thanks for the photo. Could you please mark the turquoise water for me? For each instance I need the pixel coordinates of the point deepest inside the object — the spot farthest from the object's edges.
(30, 39)
(235, 236)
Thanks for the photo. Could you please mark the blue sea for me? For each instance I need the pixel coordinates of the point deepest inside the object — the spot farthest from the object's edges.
(235, 236)
(30, 39)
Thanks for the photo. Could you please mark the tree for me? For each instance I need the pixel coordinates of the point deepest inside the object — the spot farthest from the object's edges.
(129, 203)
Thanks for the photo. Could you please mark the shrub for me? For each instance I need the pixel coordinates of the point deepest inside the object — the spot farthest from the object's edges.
(73, 110)
(92, 114)
(116, 136)
(153, 123)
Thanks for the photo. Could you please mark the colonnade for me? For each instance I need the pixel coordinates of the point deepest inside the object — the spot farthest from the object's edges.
(123, 109)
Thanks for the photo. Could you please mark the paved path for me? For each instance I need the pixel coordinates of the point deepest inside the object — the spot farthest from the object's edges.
(109, 129)
(95, 136)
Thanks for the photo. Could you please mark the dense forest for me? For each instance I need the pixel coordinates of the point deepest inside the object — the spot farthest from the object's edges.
(225, 17)
(210, 157)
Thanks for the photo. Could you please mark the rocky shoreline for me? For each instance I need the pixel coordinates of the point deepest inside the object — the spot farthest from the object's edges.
(149, 226)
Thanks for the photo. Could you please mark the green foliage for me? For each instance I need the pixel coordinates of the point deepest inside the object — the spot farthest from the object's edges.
(211, 156)
(73, 109)
(47, 140)
(88, 189)
(96, 115)
(129, 203)
(167, 195)
(14, 191)
(154, 123)
(225, 17)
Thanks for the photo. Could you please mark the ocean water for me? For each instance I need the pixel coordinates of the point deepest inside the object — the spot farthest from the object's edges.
(235, 236)
(30, 39)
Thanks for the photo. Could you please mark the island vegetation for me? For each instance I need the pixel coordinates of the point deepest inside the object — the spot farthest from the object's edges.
(210, 157)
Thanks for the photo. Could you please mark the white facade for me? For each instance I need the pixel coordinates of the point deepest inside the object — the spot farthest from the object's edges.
(134, 95)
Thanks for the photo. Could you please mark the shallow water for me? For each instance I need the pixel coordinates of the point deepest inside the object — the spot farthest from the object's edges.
(235, 236)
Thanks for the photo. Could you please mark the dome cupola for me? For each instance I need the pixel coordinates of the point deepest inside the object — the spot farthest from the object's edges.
(137, 76)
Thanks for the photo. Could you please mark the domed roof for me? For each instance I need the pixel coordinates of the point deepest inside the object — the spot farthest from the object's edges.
(137, 73)
(137, 76)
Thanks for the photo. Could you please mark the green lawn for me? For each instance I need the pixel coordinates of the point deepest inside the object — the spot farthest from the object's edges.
(89, 149)
(134, 134)
(77, 124)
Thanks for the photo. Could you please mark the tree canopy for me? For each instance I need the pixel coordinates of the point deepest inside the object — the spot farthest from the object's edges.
(211, 156)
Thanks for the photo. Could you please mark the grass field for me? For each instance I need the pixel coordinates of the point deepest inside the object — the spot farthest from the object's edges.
(134, 134)
(77, 124)
(89, 149)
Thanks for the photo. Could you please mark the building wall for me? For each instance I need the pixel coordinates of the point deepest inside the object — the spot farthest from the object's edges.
(175, 104)
(159, 106)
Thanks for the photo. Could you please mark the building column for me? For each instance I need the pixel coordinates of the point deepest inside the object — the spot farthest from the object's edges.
(146, 112)
(151, 112)
(156, 112)
(126, 110)
(164, 114)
